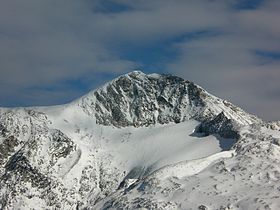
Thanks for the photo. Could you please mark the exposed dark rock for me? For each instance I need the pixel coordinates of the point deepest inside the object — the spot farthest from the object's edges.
(137, 99)
(7, 147)
(3, 130)
(196, 95)
(19, 166)
(61, 145)
(140, 100)
(221, 125)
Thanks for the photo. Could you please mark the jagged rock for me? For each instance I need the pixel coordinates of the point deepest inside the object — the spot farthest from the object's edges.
(61, 145)
(19, 167)
(221, 125)
(137, 99)
(7, 147)
(3, 130)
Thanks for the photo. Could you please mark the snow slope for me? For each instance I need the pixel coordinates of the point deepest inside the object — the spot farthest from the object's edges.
(244, 178)
(139, 142)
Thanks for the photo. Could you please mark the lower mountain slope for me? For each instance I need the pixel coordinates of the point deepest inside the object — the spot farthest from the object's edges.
(246, 177)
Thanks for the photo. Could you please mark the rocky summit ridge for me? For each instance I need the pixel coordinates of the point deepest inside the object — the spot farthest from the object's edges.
(137, 99)
(141, 141)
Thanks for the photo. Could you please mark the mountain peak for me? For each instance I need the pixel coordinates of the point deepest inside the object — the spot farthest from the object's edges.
(136, 73)
(139, 99)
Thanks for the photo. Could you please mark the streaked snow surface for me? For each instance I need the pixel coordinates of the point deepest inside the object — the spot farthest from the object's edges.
(144, 149)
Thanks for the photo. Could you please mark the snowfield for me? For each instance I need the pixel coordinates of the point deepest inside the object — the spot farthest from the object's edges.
(139, 142)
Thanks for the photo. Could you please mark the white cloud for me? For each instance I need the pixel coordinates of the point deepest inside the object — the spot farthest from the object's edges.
(156, 20)
(48, 41)
(44, 43)
(228, 64)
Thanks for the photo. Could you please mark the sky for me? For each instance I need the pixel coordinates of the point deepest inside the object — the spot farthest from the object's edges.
(54, 51)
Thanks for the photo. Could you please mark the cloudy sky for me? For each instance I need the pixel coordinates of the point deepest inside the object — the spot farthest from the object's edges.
(53, 51)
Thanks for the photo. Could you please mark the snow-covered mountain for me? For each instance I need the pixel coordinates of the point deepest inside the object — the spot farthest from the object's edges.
(139, 142)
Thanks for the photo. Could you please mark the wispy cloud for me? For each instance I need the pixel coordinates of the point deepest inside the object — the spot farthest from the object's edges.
(48, 42)
(242, 63)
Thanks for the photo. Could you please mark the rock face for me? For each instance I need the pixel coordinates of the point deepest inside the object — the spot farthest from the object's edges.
(84, 155)
(221, 125)
(137, 99)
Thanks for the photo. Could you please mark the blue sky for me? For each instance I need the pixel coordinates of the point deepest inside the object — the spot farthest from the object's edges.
(55, 51)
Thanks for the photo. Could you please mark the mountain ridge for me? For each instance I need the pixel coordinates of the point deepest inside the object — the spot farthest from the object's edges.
(165, 98)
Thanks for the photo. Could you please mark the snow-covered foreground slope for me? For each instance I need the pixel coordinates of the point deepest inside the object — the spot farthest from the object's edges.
(245, 178)
(139, 142)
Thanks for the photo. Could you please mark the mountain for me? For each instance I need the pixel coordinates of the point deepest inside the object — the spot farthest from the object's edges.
(141, 141)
